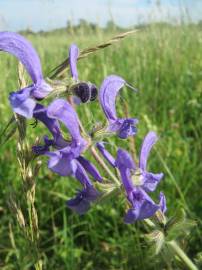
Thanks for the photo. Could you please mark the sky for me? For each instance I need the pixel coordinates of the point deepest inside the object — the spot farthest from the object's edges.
(50, 14)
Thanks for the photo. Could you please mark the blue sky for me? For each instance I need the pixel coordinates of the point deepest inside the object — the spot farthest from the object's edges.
(49, 14)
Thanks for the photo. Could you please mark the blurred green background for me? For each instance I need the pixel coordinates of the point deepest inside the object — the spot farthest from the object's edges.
(165, 63)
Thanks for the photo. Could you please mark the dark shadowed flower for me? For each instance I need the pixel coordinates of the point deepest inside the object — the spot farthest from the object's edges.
(81, 203)
(137, 182)
(65, 159)
(83, 91)
(24, 100)
(124, 127)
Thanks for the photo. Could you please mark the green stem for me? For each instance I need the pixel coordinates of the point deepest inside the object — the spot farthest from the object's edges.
(182, 255)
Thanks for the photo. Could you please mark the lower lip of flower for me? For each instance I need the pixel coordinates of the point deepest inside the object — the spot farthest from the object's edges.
(137, 178)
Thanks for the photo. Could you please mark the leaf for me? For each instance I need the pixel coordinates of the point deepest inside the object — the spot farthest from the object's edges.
(178, 225)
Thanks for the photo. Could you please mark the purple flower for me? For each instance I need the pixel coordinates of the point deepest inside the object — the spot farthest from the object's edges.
(124, 127)
(137, 182)
(67, 156)
(81, 203)
(23, 101)
(84, 91)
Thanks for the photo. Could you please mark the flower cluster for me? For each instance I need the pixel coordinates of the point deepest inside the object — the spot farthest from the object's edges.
(65, 153)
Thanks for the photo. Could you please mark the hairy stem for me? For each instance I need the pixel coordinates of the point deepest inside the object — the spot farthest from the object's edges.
(182, 255)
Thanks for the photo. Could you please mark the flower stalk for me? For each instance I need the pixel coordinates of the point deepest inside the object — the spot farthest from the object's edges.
(28, 223)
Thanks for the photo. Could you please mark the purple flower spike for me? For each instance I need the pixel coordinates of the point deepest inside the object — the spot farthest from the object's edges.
(137, 182)
(73, 56)
(107, 96)
(23, 101)
(81, 203)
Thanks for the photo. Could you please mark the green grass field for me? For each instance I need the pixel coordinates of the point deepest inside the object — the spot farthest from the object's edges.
(165, 64)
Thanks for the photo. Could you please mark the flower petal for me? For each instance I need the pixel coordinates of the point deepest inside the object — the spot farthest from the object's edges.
(81, 203)
(22, 103)
(107, 95)
(151, 181)
(105, 153)
(124, 159)
(124, 162)
(61, 110)
(143, 206)
(90, 168)
(40, 113)
(73, 56)
(81, 175)
(78, 204)
(147, 144)
(162, 202)
(21, 48)
(61, 162)
(42, 149)
(41, 90)
(124, 127)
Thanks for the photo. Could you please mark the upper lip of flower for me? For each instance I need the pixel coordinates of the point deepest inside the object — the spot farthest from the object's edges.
(22, 101)
(109, 90)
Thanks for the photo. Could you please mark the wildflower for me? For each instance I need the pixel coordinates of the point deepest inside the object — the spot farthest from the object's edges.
(23, 101)
(81, 203)
(124, 127)
(137, 182)
(84, 91)
(67, 156)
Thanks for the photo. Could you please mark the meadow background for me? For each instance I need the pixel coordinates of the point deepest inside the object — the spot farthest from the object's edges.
(165, 63)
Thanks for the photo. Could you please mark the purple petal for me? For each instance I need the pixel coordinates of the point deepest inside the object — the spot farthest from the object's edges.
(40, 113)
(42, 149)
(81, 175)
(151, 180)
(147, 144)
(41, 90)
(21, 48)
(78, 204)
(22, 103)
(105, 153)
(81, 203)
(124, 159)
(143, 206)
(61, 162)
(124, 162)
(61, 110)
(73, 56)
(107, 95)
(124, 127)
(90, 168)
(162, 202)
